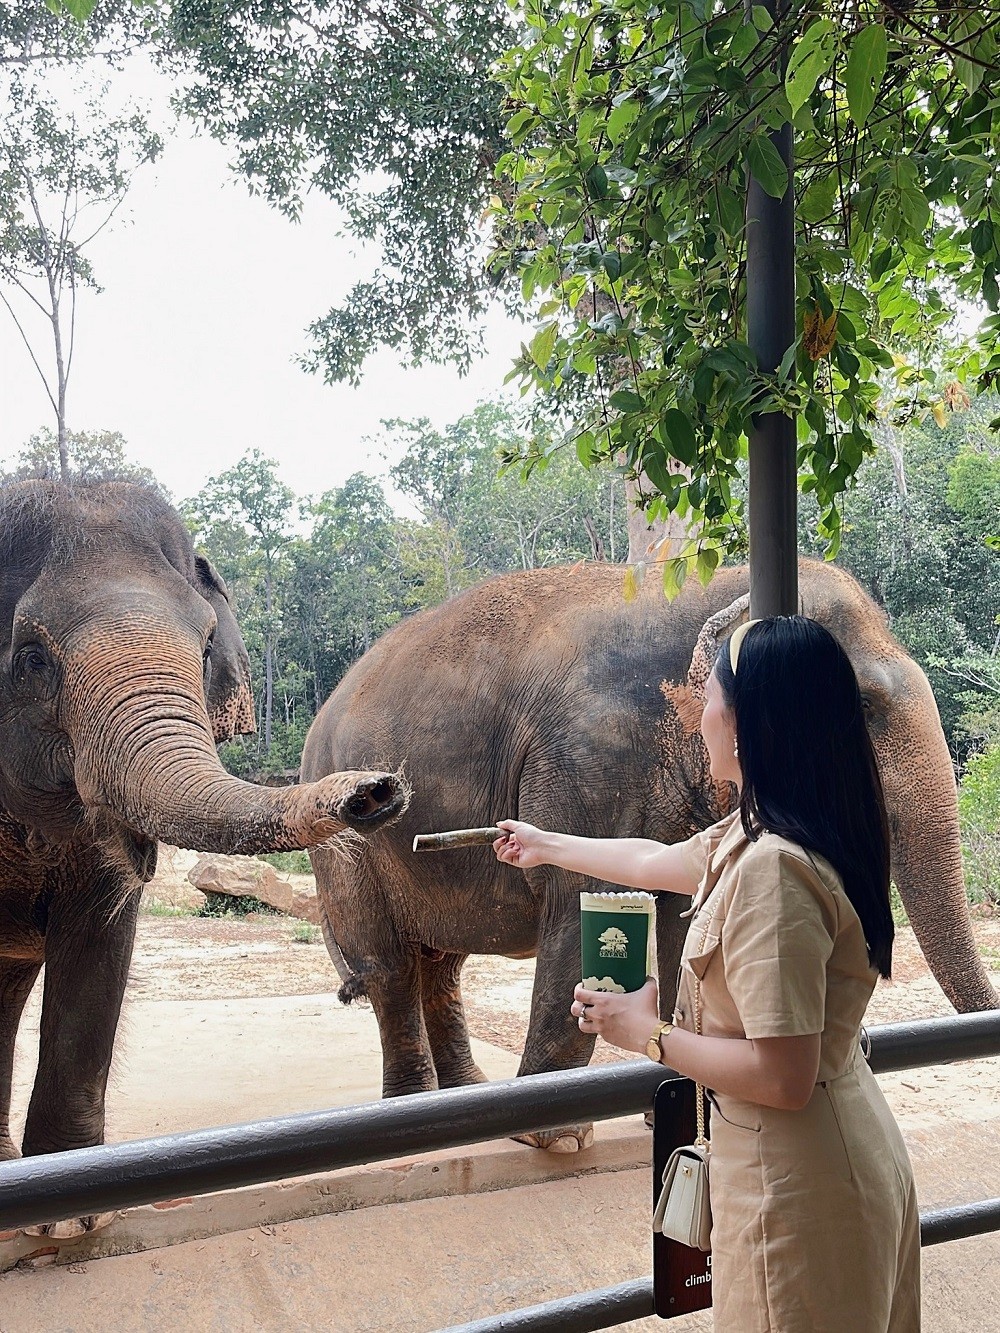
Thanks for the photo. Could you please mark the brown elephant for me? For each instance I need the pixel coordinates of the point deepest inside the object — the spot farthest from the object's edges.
(122, 665)
(544, 696)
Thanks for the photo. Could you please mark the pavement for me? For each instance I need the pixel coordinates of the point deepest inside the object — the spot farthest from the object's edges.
(414, 1245)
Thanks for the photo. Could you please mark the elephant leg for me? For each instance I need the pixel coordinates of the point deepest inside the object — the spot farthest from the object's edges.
(444, 1017)
(88, 951)
(16, 980)
(374, 960)
(554, 1038)
(395, 993)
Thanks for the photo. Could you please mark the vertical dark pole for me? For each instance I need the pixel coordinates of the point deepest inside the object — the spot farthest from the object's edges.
(770, 332)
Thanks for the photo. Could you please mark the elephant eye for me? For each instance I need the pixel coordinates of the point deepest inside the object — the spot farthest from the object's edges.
(30, 660)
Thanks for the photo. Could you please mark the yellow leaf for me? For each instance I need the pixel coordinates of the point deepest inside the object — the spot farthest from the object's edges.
(634, 576)
(940, 413)
(818, 334)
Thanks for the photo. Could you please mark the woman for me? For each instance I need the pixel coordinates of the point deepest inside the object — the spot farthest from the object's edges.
(815, 1223)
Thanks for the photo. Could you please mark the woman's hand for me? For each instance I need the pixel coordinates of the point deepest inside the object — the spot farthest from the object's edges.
(623, 1020)
(521, 845)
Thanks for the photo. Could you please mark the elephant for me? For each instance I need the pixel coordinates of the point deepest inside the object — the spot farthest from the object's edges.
(122, 667)
(546, 696)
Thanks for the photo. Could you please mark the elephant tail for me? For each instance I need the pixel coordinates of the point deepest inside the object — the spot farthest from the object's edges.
(354, 988)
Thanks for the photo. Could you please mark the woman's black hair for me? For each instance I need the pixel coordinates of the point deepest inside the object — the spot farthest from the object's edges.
(809, 770)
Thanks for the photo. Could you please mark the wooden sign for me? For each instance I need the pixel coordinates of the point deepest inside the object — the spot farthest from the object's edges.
(682, 1276)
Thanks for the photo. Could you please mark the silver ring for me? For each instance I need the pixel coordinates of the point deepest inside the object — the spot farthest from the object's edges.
(584, 1008)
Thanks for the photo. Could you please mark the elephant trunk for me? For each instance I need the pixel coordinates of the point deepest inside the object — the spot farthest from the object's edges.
(927, 860)
(144, 751)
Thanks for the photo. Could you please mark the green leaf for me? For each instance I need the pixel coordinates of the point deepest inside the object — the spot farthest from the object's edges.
(611, 262)
(811, 57)
(981, 239)
(766, 165)
(819, 198)
(625, 400)
(866, 64)
(975, 39)
(543, 344)
(655, 467)
(621, 120)
(706, 565)
(597, 181)
(520, 123)
(915, 209)
(677, 433)
(674, 574)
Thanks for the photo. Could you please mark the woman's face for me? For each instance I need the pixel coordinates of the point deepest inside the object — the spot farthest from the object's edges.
(718, 729)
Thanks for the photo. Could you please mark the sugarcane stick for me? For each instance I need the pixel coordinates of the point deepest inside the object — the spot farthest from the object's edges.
(460, 837)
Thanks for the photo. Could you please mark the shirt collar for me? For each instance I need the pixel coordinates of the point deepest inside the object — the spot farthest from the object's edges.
(734, 837)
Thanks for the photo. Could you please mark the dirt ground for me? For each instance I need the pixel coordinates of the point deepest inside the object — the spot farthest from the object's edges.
(190, 957)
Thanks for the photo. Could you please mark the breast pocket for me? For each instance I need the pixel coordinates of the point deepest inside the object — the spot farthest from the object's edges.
(707, 949)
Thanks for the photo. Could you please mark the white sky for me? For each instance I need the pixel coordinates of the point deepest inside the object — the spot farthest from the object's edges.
(188, 351)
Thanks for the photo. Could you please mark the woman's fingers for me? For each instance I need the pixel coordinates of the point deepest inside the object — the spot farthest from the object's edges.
(624, 1020)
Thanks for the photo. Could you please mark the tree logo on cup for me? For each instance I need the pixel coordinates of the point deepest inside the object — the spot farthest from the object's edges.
(614, 943)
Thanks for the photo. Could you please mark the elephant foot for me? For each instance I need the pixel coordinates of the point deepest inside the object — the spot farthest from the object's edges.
(72, 1226)
(570, 1138)
(463, 1078)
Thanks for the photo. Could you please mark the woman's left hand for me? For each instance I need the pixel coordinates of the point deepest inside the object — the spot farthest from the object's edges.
(623, 1020)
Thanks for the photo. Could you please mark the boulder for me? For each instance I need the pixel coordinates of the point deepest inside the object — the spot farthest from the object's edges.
(169, 887)
(246, 877)
(305, 904)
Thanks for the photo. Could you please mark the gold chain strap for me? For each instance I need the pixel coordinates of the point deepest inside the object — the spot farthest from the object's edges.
(700, 1140)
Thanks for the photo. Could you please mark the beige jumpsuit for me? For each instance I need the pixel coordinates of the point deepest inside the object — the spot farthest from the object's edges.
(815, 1223)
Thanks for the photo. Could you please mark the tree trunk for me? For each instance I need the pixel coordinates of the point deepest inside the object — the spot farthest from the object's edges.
(268, 660)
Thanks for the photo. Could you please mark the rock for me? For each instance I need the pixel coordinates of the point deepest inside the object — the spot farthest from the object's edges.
(169, 887)
(247, 877)
(305, 903)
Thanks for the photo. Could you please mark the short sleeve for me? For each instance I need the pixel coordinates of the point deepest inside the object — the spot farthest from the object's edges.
(777, 938)
(698, 849)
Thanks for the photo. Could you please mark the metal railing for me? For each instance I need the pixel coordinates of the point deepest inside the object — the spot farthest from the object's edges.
(124, 1175)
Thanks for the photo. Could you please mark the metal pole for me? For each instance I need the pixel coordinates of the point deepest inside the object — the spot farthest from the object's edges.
(124, 1175)
(770, 332)
(583, 1312)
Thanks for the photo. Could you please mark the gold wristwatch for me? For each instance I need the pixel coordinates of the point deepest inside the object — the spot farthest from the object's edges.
(653, 1048)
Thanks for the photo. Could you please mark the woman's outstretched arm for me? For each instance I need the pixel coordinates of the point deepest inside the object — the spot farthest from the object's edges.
(639, 863)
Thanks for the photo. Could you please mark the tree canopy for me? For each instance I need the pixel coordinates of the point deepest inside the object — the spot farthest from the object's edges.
(386, 108)
(635, 129)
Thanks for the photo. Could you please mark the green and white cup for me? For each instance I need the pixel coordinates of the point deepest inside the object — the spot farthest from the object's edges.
(616, 940)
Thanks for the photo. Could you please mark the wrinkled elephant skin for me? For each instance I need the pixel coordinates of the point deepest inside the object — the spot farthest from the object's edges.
(123, 665)
(544, 696)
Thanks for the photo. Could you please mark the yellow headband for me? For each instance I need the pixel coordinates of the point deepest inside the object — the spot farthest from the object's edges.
(735, 642)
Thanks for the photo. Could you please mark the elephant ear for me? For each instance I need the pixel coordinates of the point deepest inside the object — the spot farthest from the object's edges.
(26, 518)
(230, 696)
(713, 633)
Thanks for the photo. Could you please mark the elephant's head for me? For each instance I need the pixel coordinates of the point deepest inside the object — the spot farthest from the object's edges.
(916, 768)
(123, 666)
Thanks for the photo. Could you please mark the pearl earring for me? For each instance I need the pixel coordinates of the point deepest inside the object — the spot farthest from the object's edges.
(736, 749)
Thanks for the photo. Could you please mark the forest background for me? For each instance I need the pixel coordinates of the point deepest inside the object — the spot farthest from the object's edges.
(316, 579)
